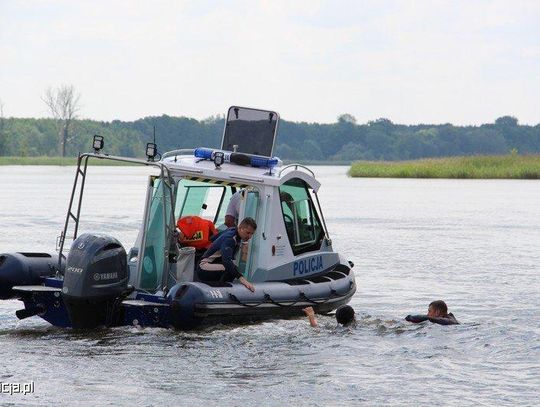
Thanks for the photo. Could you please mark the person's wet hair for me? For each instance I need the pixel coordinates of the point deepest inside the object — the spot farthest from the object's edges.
(439, 306)
(345, 314)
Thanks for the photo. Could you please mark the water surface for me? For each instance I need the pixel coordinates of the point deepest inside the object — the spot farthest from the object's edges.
(473, 243)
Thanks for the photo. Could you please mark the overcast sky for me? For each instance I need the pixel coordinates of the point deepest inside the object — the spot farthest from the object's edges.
(460, 62)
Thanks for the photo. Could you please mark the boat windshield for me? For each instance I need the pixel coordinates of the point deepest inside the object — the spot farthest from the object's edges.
(159, 225)
(207, 200)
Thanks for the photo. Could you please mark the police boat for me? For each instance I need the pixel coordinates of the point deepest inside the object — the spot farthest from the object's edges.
(290, 259)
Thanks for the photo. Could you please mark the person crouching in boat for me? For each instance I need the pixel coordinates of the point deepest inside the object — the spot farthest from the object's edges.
(437, 313)
(217, 262)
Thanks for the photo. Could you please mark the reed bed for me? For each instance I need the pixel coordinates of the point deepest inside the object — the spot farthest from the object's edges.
(510, 166)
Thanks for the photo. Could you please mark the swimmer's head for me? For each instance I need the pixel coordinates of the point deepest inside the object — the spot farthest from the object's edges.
(437, 309)
(345, 315)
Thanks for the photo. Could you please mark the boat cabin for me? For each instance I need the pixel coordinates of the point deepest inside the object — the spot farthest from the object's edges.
(291, 240)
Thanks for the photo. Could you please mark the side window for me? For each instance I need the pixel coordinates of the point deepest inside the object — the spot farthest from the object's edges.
(301, 219)
(206, 200)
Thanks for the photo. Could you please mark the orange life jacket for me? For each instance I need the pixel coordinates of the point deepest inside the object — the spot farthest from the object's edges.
(197, 231)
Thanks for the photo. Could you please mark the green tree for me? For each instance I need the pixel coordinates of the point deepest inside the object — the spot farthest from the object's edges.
(508, 121)
(346, 118)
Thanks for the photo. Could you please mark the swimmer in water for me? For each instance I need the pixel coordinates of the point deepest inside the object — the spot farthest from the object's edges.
(344, 316)
(437, 313)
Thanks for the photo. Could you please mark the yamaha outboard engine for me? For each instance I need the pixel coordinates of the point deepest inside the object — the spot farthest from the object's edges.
(96, 276)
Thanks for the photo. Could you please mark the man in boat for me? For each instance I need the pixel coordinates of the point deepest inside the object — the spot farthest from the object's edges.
(344, 316)
(217, 263)
(231, 215)
(437, 314)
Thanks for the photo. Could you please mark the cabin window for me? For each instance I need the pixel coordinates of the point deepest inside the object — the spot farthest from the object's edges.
(301, 219)
(209, 201)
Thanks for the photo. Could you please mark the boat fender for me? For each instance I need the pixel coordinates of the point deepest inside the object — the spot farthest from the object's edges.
(24, 269)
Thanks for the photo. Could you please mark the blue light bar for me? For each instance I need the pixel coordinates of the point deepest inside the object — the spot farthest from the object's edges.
(262, 162)
(238, 158)
(204, 153)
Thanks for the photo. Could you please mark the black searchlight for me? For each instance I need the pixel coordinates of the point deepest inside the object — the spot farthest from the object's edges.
(98, 143)
(219, 159)
(151, 151)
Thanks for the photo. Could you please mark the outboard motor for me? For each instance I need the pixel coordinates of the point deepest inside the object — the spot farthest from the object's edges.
(24, 269)
(96, 276)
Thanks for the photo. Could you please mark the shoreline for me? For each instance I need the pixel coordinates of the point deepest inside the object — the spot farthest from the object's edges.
(510, 166)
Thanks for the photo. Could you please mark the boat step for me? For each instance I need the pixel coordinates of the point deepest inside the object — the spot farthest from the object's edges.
(35, 288)
(140, 303)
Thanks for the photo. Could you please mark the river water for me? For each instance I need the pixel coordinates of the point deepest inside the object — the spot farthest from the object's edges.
(473, 243)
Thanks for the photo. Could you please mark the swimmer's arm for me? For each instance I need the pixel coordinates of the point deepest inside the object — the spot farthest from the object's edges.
(416, 319)
(436, 320)
(311, 316)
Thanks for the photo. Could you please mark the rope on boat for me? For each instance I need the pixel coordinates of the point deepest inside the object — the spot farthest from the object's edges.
(333, 293)
(269, 299)
(235, 299)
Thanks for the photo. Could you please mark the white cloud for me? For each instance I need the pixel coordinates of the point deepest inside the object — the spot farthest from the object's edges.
(410, 61)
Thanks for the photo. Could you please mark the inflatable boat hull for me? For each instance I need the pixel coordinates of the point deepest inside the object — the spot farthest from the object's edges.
(193, 304)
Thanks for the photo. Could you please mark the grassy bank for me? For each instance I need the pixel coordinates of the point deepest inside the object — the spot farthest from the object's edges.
(54, 161)
(511, 166)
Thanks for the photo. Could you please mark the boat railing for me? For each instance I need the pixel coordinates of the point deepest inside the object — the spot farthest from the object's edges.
(181, 151)
(296, 167)
(74, 214)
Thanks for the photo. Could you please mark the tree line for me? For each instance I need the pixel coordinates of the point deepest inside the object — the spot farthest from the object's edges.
(344, 140)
